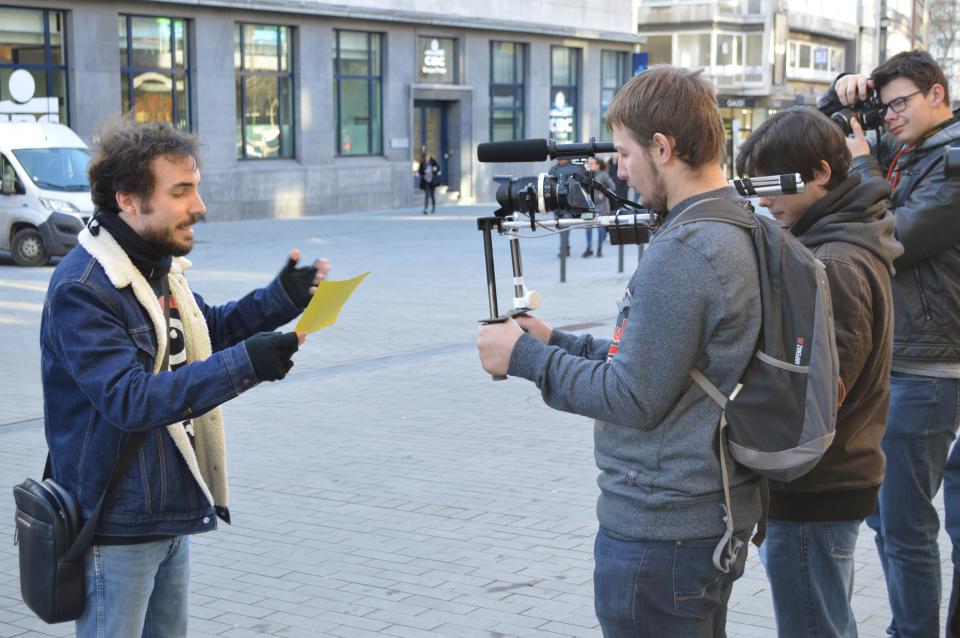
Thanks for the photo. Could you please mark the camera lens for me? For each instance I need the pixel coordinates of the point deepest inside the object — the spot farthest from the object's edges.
(842, 119)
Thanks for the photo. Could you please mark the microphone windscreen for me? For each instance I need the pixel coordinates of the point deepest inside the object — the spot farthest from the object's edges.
(514, 151)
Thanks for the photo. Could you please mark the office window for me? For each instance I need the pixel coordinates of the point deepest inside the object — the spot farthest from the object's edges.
(693, 50)
(33, 66)
(263, 60)
(564, 93)
(358, 92)
(507, 79)
(154, 69)
(659, 49)
(814, 61)
(614, 73)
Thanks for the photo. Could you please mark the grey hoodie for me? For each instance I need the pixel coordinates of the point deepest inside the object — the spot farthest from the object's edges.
(692, 302)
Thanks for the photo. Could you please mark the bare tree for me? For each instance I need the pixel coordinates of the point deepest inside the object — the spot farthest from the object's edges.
(944, 31)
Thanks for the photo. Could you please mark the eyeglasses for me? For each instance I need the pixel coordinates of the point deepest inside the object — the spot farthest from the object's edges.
(898, 104)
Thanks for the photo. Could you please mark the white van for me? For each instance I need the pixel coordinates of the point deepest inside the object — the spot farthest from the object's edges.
(44, 193)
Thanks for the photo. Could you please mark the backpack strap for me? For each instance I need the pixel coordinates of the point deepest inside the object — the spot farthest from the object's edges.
(723, 210)
(729, 547)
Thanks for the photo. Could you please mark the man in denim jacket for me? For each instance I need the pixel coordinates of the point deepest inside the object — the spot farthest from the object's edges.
(103, 339)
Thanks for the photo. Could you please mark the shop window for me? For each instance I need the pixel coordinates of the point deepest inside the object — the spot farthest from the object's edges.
(564, 93)
(358, 92)
(263, 61)
(614, 73)
(507, 86)
(33, 66)
(155, 69)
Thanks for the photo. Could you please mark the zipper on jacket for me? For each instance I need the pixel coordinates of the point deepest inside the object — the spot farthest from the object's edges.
(923, 297)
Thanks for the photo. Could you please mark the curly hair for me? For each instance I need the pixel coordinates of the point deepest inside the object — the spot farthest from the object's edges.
(124, 152)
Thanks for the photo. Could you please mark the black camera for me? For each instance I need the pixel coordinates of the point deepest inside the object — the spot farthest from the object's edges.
(561, 190)
(869, 113)
(565, 190)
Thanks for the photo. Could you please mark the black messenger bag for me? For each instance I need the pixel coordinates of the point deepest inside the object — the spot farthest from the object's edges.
(53, 545)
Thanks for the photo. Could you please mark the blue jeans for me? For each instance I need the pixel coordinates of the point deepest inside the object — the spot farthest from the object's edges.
(136, 591)
(810, 569)
(661, 589)
(920, 426)
(601, 237)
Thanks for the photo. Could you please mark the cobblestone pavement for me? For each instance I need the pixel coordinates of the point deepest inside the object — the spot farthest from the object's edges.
(387, 487)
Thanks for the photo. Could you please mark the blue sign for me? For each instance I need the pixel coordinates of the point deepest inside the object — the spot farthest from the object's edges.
(641, 61)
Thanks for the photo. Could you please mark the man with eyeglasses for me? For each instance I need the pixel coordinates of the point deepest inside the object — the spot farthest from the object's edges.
(925, 376)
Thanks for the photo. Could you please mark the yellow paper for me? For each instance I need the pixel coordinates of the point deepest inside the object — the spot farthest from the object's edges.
(326, 303)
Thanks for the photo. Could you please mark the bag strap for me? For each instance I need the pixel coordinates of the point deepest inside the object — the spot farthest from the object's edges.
(724, 210)
(729, 547)
(83, 540)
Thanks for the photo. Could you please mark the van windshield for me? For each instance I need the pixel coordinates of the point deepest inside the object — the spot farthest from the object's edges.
(59, 169)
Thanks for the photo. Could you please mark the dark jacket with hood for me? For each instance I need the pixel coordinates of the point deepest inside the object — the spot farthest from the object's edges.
(925, 204)
(851, 231)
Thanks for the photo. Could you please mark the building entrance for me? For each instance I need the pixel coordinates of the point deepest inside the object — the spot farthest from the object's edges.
(430, 132)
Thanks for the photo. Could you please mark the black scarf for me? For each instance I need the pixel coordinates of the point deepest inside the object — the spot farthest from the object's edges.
(149, 259)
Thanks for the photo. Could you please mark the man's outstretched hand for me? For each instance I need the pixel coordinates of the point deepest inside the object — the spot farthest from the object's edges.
(300, 282)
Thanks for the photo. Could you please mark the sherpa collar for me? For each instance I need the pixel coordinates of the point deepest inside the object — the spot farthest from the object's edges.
(208, 462)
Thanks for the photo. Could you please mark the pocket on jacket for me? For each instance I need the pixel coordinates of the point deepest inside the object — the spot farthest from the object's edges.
(142, 338)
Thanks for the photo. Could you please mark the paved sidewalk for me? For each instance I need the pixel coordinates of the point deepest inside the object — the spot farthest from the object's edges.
(387, 487)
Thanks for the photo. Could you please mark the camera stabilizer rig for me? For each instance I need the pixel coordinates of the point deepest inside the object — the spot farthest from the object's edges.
(562, 199)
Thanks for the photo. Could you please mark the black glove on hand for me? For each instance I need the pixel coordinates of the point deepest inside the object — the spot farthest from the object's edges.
(297, 282)
(270, 354)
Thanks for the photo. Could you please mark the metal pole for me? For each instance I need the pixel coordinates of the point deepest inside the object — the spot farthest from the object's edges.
(564, 249)
(485, 227)
(620, 258)
(517, 265)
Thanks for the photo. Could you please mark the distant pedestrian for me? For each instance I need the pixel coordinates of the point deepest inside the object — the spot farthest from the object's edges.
(598, 170)
(429, 172)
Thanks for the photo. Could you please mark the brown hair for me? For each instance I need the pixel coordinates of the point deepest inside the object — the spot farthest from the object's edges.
(674, 102)
(917, 66)
(796, 140)
(123, 156)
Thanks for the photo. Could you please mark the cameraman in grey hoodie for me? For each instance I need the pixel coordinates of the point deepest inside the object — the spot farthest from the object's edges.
(844, 219)
(693, 301)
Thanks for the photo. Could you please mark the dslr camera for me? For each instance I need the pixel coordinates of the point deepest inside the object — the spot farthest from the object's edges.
(869, 113)
(564, 190)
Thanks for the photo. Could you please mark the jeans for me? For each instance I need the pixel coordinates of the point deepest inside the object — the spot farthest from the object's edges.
(810, 569)
(920, 426)
(661, 589)
(601, 237)
(136, 591)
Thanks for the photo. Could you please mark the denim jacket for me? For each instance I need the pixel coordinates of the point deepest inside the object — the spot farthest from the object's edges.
(100, 357)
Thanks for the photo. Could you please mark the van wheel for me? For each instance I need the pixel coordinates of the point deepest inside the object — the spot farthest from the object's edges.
(28, 249)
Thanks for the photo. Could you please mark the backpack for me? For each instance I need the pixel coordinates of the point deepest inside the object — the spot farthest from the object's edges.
(781, 417)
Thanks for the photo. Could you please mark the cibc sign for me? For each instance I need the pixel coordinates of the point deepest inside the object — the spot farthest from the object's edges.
(437, 62)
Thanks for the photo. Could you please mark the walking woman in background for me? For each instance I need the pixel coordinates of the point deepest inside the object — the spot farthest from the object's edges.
(429, 172)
